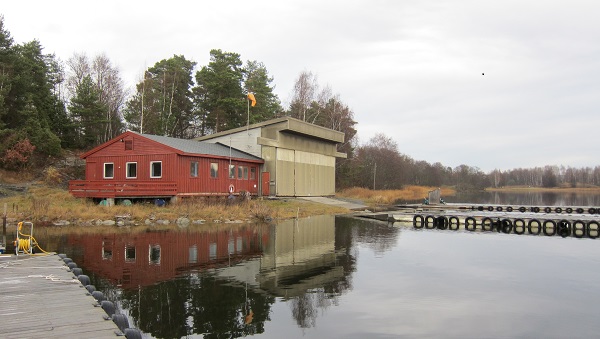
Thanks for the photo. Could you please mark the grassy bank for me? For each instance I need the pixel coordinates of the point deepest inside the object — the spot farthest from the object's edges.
(389, 197)
(46, 204)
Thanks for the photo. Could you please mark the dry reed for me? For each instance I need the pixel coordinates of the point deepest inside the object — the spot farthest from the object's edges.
(407, 193)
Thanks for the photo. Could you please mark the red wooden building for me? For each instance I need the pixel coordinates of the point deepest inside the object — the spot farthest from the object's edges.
(135, 165)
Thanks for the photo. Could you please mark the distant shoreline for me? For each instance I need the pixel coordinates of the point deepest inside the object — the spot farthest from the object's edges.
(595, 190)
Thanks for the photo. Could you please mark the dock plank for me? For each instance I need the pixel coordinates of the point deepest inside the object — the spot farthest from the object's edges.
(40, 298)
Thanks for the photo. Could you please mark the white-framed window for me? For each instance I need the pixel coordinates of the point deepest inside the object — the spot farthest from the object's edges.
(194, 169)
(193, 254)
(154, 254)
(109, 170)
(129, 253)
(131, 170)
(231, 171)
(212, 251)
(106, 251)
(214, 170)
(155, 169)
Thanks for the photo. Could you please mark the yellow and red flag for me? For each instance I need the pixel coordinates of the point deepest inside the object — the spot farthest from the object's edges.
(252, 99)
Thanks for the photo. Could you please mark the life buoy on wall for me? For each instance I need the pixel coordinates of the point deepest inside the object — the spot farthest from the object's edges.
(231, 188)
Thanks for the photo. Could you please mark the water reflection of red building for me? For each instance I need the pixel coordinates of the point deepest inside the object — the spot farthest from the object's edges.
(141, 259)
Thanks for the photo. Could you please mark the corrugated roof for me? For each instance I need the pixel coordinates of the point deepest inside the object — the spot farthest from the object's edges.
(200, 147)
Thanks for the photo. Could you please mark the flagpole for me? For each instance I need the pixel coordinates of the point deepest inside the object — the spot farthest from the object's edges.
(248, 123)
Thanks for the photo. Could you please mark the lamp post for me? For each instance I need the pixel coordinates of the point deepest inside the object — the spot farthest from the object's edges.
(374, 174)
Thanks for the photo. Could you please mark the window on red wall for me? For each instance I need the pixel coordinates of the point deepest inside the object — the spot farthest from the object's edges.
(109, 170)
(214, 170)
(128, 145)
(194, 169)
(155, 169)
(252, 173)
(131, 170)
(231, 171)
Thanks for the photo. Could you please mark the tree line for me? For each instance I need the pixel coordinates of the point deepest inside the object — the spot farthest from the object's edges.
(47, 105)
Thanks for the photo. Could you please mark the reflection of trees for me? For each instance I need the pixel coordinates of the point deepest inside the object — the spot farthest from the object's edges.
(209, 304)
(305, 308)
(348, 232)
(197, 304)
(380, 237)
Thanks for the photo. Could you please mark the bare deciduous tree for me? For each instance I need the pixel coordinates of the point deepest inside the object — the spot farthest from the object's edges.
(109, 84)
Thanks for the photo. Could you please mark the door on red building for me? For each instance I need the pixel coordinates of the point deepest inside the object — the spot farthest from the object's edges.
(266, 181)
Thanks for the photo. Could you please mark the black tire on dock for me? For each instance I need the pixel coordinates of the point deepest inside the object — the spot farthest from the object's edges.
(564, 228)
(108, 307)
(579, 232)
(418, 221)
(453, 223)
(441, 222)
(499, 208)
(90, 288)
(132, 333)
(77, 271)
(558, 210)
(490, 208)
(99, 296)
(430, 221)
(535, 209)
(507, 226)
(480, 208)
(470, 224)
(538, 227)
(487, 224)
(72, 265)
(547, 210)
(509, 209)
(546, 227)
(67, 260)
(569, 210)
(579, 210)
(522, 209)
(519, 226)
(84, 279)
(592, 210)
(121, 321)
(595, 231)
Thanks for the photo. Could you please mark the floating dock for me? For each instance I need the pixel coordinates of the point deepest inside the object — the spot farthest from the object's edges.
(578, 221)
(41, 298)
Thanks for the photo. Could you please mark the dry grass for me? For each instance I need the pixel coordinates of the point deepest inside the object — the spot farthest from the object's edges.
(387, 197)
(44, 203)
(11, 177)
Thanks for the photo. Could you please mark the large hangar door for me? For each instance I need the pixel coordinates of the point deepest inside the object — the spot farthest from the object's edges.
(286, 177)
(304, 174)
(315, 174)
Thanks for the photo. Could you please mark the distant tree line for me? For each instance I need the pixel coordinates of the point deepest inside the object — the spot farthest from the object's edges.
(47, 105)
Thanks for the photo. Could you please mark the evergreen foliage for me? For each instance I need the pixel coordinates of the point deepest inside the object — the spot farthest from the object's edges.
(171, 100)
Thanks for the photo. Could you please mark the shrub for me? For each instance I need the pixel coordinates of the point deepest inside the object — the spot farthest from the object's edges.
(17, 157)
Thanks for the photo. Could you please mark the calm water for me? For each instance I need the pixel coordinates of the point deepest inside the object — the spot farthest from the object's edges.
(340, 277)
(528, 198)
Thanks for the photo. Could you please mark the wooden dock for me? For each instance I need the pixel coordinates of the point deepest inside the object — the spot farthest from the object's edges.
(41, 298)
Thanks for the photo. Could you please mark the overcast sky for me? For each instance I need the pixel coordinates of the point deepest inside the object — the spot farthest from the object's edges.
(490, 84)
